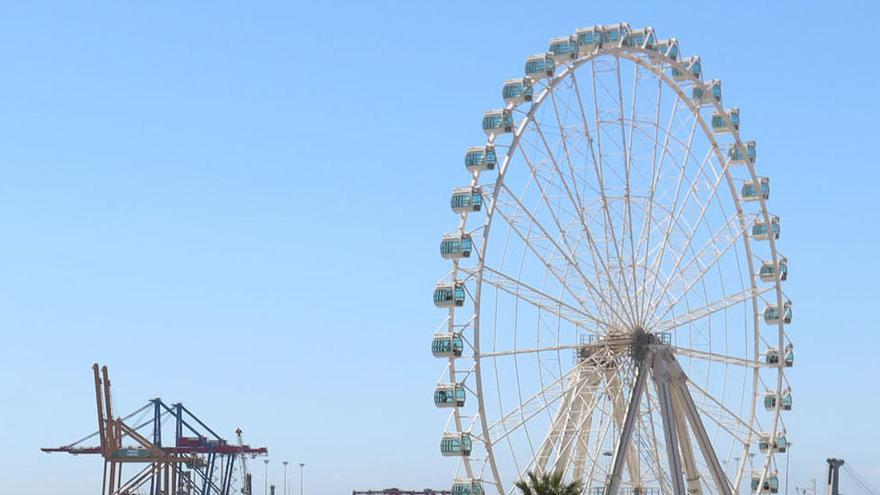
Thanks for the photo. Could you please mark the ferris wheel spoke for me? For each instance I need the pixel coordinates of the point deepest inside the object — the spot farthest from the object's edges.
(532, 350)
(658, 259)
(702, 175)
(535, 404)
(716, 357)
(584, 225)
(627, 159)
(595, 159)
(645, 225)
(691, 187)
(530, 242)
(656, 173)
(569, 251)
(722, 410)
(596, 295)
(573, 192)
(722, 240)
(732, 418)
(672, 303)
(600, 177)
(537, 298)
(708, 310)
(695, 227)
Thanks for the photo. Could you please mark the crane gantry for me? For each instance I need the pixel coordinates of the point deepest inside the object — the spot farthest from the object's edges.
(200, 462)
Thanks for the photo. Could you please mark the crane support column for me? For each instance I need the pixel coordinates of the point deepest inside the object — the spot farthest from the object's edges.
(834, 476)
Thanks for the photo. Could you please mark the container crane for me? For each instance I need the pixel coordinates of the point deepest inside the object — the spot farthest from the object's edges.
(199, 463)
(834, 476)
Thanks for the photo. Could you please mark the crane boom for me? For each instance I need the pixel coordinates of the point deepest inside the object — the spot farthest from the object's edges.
(101, 432)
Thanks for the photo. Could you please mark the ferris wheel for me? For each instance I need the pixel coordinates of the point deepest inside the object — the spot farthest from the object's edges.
(615, 303)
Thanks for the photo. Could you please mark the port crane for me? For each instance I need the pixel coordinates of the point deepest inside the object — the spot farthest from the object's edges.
(833, 483)
(834, 476)
(199, 462)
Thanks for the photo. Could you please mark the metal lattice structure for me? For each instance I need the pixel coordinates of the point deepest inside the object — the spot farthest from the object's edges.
(138, 458)
(627, 322)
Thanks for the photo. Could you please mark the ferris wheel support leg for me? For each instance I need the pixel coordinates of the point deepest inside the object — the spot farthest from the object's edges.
(667, 412)
(570, 426)
(570, 431)
(619, 413)
(582, 447)
(687, 451)
(693, 416)
(587, 380)
(632, 412)
(588, 401)
(555, 429)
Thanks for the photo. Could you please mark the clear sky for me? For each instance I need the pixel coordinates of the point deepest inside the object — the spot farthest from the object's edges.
(237, 205)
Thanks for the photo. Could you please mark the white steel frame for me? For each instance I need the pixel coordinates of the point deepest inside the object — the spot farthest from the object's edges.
(656, 428)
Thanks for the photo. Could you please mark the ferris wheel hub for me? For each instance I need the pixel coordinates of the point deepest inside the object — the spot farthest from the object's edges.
(635, 343)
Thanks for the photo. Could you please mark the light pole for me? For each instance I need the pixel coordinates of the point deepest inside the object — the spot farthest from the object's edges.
(787, 450)
(301, 466)
(285, 477)
(266, 475)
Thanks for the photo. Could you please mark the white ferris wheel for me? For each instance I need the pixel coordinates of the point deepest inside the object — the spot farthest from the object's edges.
(615, 301)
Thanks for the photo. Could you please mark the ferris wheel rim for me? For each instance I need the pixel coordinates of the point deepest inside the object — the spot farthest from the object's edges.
(631, 54)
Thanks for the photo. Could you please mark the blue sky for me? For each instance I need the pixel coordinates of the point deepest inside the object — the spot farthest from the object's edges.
(237, 205)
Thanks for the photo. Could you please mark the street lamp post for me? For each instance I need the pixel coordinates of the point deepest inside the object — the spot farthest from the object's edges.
(301, 466)
(787, 450)
(266, 475)
(285, 478)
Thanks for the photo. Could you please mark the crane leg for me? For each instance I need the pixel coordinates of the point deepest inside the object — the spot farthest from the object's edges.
(112, 484)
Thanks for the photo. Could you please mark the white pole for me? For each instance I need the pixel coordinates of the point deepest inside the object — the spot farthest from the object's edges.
(787, 451)
(301, 466)
(266, 475)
